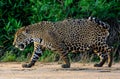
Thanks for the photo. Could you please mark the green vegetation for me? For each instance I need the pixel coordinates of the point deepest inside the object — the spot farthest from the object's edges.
(18, 13)
(9, 57)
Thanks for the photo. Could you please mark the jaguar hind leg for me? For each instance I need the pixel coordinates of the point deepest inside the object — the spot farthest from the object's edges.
(103, 58)
(110, 57)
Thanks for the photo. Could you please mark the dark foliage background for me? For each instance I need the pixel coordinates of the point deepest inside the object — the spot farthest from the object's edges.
(17, 13)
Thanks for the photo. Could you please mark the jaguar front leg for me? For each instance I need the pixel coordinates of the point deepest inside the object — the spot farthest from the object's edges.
(65, 58)
(36, 54)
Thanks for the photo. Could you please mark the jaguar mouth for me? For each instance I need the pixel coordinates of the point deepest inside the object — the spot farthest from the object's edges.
(21, 46)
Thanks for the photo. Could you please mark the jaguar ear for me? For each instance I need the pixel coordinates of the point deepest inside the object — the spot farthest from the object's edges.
(26, 30)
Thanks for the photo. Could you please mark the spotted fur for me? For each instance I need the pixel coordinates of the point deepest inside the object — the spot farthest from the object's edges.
(70, 35)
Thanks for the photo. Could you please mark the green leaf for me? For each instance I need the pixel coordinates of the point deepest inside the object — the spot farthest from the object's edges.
(68, 2)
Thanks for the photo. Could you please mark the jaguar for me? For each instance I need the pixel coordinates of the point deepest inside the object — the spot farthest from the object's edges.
(69, 35)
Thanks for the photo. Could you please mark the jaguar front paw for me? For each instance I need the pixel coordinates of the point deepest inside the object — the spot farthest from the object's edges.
(27, 65)
(65, 66)
(97, 65)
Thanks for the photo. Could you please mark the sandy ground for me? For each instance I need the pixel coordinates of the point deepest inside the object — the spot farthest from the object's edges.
(54, 71)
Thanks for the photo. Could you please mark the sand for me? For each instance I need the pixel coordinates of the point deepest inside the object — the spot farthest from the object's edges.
(13, 70)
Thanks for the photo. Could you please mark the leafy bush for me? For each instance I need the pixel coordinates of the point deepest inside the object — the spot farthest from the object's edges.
(9, 57)
(18, 13)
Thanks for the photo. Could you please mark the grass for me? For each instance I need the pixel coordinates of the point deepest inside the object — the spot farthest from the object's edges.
(8, 57)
